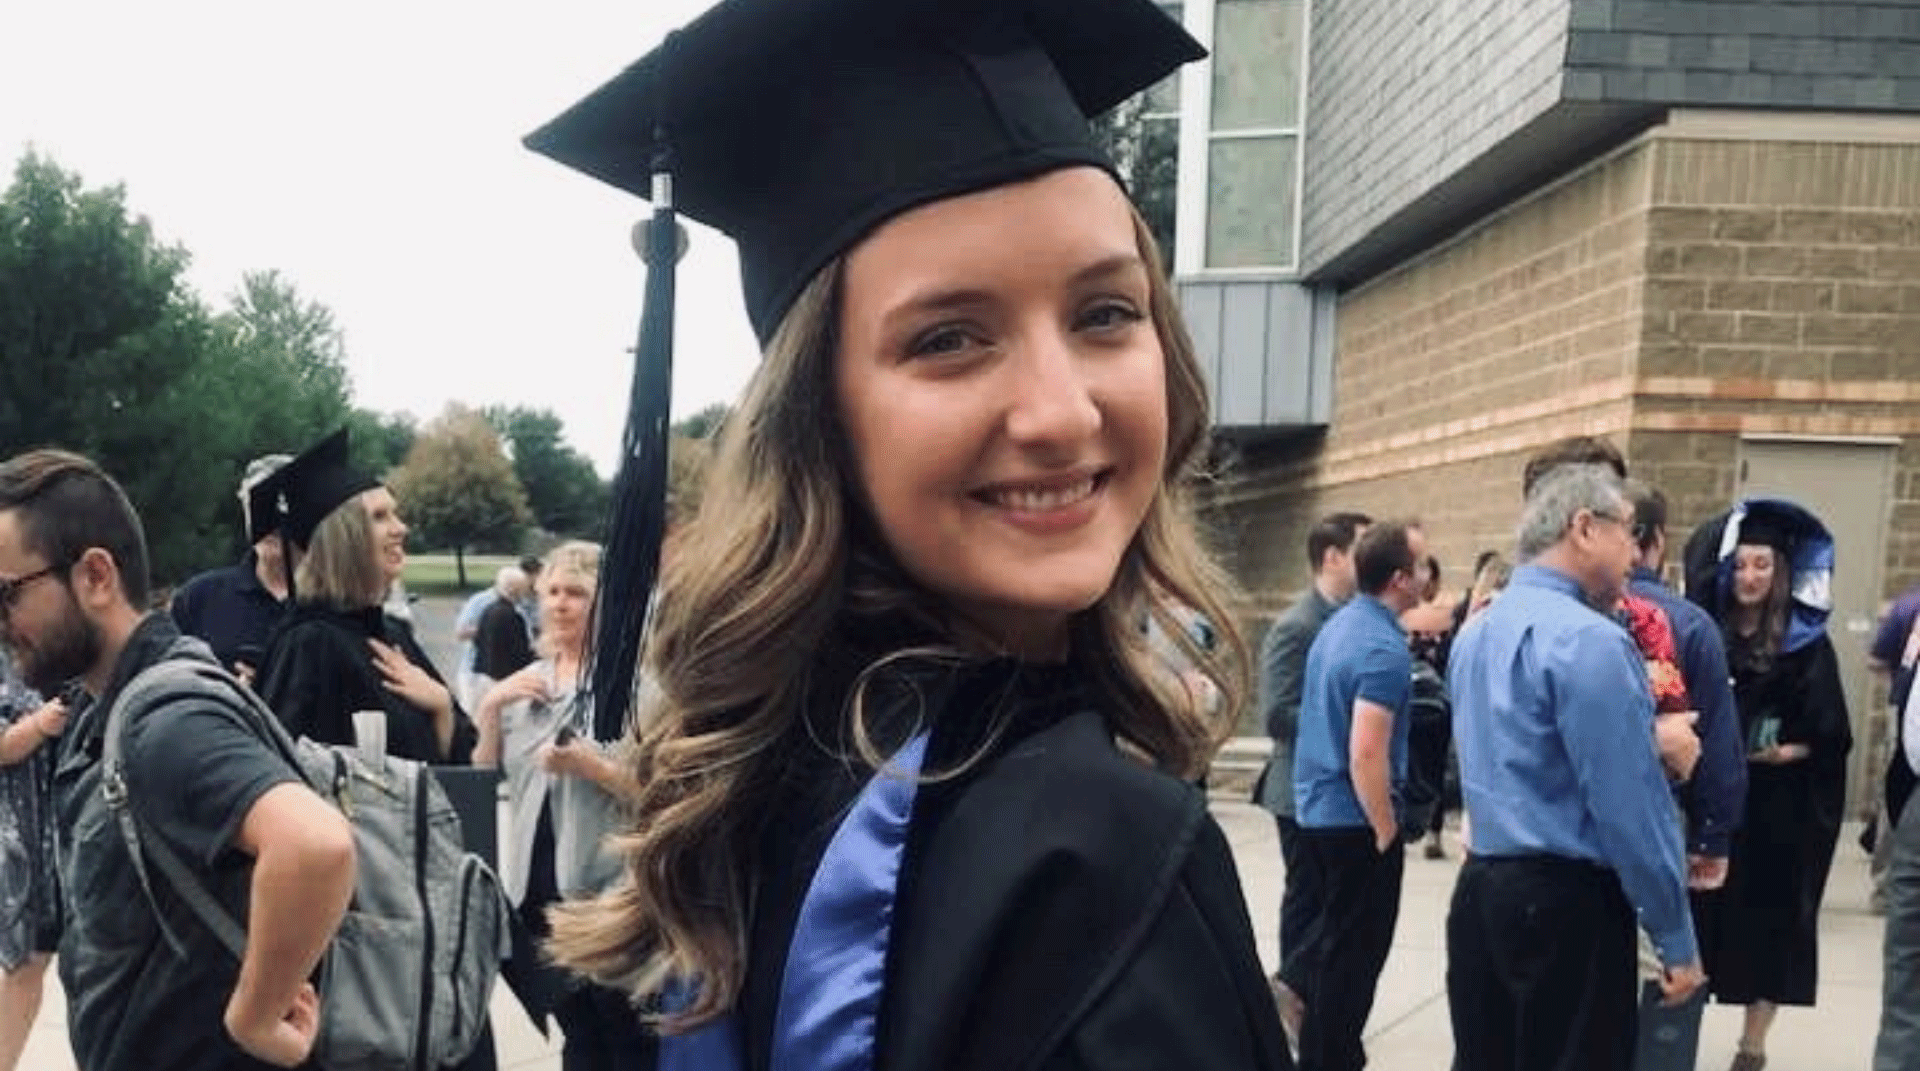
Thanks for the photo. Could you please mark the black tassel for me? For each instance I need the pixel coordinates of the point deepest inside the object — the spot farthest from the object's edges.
(638, 523)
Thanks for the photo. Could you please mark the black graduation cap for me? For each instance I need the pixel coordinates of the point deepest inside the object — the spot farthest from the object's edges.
(797, 127)
(1760, 528)
(299, 495)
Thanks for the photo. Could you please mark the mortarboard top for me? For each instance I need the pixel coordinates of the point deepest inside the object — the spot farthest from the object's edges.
(798, 126)
(299, 495)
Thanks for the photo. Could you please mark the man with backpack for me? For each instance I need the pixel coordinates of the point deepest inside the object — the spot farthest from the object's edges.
(148, 988)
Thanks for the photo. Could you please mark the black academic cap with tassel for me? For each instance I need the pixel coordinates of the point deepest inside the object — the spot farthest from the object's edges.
(799, 126)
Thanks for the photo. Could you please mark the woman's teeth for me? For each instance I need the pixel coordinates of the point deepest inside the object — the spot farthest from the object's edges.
(1032, 501)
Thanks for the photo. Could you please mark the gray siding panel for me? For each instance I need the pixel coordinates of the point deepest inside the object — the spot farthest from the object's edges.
(1201, 306)
(1266, 348)
(1406, 97)
(1245, 352)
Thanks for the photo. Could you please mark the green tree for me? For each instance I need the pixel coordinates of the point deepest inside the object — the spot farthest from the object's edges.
(705, 424)
(1145, 152)
(103, 351)
(564, 492)
(458, 490)
(381, 442)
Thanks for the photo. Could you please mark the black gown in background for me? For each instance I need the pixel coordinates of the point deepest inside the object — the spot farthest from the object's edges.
(319, 671)
(1760, 932)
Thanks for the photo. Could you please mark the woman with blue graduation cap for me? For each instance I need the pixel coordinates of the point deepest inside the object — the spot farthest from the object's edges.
(1764, 570)
(915, 791)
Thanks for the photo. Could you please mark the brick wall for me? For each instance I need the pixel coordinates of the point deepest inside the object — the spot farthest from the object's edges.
(1451, 368)
(1782, 296)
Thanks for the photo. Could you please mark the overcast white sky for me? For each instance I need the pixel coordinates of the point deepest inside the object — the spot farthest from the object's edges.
(371, 152)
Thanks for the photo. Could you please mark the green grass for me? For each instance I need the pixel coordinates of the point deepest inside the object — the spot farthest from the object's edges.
(433, 574)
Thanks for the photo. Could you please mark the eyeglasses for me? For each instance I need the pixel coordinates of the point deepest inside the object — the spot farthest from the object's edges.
(10, 589)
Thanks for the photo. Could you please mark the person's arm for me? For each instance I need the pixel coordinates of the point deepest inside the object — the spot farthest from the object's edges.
(1889, 641)
(1718, 792)
(204, 781)
(30, 732)
(596, 763)
(468, 622)
(1282, 672)
(1370, 764)
(1604, 712)
(303, 873)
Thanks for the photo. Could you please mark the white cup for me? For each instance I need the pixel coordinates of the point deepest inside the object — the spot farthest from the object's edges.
(370, 735)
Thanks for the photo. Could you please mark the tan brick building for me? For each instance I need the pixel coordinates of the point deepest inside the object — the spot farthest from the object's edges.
(1647, 242)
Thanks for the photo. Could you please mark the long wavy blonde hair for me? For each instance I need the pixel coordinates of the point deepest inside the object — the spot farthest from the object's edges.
(777, 553)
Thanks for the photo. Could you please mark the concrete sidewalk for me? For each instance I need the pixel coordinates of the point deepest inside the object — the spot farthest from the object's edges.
(1409, 1030)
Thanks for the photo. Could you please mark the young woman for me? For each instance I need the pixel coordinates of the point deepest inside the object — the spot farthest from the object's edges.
(563, 792)
(1760, 932)
(29, 899)
(338, 651)
(918, 794)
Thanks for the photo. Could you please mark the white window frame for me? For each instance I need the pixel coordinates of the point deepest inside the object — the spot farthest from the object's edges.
(1191, 193)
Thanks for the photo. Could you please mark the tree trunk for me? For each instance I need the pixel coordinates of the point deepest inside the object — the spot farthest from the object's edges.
(460, 565)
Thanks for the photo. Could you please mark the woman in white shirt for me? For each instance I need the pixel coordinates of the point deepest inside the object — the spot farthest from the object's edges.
(563, 793)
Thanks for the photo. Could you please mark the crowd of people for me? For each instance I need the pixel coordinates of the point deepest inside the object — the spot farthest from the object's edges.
(1710, 834)
(934, 675)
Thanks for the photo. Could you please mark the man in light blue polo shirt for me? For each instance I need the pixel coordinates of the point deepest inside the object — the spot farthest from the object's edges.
(1573, 826)
(1349, 772)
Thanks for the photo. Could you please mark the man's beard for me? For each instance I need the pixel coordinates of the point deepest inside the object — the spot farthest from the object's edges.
(67, 652)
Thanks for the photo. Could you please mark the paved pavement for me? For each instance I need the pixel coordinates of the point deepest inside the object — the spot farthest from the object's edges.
(1409, 1028)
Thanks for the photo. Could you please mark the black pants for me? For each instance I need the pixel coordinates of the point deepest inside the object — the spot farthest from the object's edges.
(1541, 965)
(1299, 897)
(1346, 946)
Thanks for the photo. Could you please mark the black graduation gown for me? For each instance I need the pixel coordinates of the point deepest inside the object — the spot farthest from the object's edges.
(1760, 933)
(1060, 905)
(319, 671)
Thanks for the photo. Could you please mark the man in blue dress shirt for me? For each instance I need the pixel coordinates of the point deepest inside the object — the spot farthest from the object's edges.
(1573, 826)
(1349, 776)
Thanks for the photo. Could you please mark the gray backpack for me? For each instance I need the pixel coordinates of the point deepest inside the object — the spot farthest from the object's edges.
(406, 982)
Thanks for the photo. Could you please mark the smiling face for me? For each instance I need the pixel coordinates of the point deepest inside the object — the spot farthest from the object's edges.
(1003, 389)
(389, 532)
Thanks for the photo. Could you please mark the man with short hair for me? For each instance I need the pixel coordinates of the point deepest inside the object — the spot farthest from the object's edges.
(1349, 777)
(234, 608)
(1573, 824)
(73, 576)
(1715, 796)
(1283, 665)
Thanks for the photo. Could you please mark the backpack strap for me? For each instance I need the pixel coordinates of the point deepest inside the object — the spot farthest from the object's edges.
(185, 673)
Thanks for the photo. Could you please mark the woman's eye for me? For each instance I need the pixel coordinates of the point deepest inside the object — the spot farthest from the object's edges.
(942, 342)
(1109, 315)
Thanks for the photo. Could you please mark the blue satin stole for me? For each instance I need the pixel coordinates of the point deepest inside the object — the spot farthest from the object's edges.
(829, 1010)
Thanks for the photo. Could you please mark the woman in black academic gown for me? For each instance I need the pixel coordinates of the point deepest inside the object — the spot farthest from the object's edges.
(917, 793)
(338, 651)
(1760, 932)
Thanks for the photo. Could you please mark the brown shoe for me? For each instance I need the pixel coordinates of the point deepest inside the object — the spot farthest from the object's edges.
(1748, 1061)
